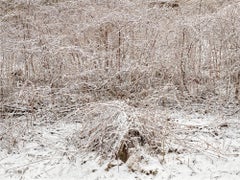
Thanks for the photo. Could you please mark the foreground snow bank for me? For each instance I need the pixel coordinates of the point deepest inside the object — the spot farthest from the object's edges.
(195, 147)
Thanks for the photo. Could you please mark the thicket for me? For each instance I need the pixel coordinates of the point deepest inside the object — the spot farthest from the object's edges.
(59, 55)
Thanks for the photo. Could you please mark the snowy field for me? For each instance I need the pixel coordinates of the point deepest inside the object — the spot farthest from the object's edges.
(46, 152)
(106, 89)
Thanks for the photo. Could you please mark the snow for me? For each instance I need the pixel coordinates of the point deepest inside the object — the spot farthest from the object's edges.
(82, 81)
(47, 153)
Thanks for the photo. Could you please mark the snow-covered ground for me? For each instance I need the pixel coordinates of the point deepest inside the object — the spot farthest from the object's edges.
(47, 153)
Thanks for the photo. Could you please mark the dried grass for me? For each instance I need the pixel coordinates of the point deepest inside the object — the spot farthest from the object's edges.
(59, 59)
(115, 130)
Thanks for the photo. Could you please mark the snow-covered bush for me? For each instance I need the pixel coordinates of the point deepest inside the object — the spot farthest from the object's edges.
(117, 130)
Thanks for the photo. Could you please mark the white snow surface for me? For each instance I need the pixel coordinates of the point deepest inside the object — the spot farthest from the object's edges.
(47, 153)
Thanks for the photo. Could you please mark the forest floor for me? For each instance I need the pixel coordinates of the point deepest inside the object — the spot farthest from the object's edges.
(45, 151)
